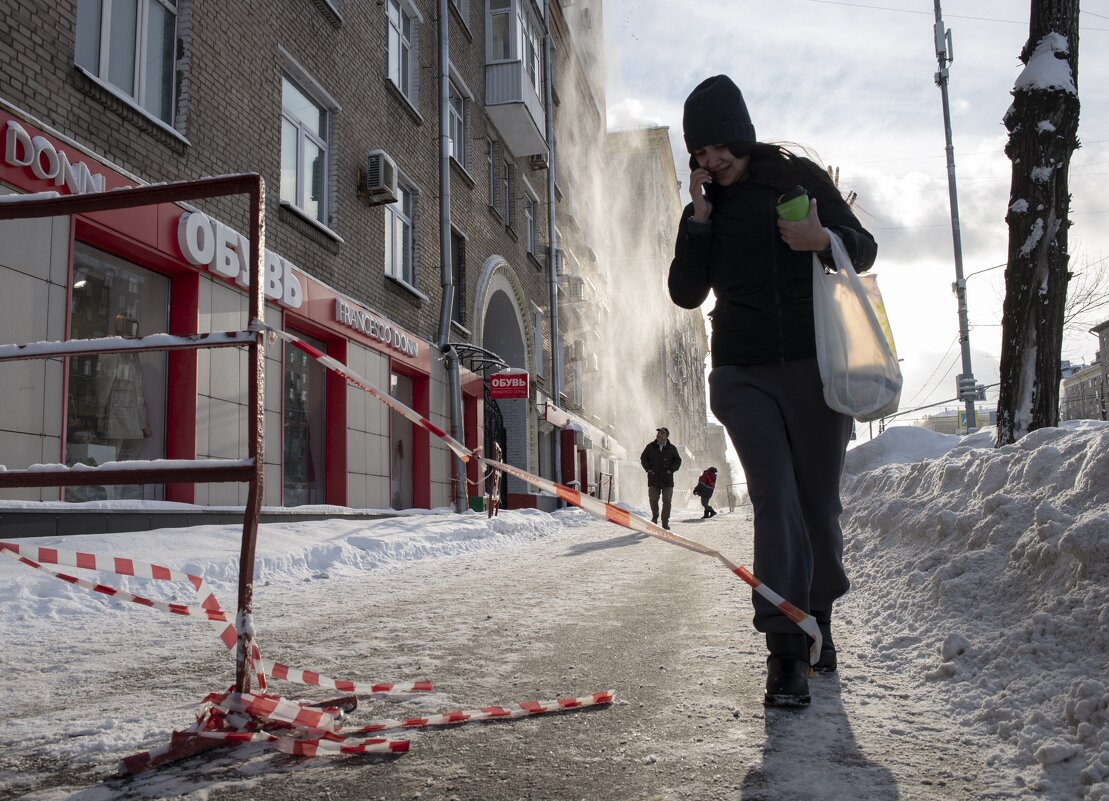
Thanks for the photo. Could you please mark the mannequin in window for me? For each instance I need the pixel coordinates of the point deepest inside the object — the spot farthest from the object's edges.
(123, 418)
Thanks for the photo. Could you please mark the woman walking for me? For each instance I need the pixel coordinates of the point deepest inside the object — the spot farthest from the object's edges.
(765, 385)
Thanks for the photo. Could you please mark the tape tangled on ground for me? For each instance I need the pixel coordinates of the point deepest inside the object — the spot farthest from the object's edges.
(234, 718)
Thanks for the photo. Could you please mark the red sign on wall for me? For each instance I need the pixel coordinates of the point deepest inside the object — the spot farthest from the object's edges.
(508, 384)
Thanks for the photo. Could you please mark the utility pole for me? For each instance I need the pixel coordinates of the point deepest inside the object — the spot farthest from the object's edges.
(968, 390)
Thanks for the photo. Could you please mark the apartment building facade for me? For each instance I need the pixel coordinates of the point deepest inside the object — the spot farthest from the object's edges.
(338, 106)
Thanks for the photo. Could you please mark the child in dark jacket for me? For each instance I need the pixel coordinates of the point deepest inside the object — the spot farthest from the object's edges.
(706, 485)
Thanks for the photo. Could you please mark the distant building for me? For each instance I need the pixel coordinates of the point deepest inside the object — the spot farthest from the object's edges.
(953, 421)
(1083, 394)
(660, 349)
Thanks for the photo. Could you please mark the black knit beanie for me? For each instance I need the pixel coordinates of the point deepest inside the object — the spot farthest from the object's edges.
(715, 114)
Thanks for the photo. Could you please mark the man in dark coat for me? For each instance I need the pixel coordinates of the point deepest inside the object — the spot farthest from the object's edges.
(661, 460)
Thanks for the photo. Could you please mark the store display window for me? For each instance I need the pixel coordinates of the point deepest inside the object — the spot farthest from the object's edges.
(305, 405)
(401, 444)
(115, 402)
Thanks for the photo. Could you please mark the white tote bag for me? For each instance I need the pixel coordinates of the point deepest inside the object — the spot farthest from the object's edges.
(854, 343)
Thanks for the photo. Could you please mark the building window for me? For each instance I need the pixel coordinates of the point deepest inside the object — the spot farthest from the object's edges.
(539, 323)
(458, 276)
(491, 171)
(531, 223)
(399, 236)
(500, 30)
(507, 189)
(530, 49)
(403, 27)
(304, 156)
(458, 113)
(116, 402)
(130, 44)
(463, 9)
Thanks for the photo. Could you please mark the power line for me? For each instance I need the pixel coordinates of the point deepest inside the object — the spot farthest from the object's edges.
(934, 371)
(950, 16)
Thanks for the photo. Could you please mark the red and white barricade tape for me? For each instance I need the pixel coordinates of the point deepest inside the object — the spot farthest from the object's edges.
(233, 718)
(526, 709)
(209, 609)
(236, 718)
(607, 511)
(622, 517)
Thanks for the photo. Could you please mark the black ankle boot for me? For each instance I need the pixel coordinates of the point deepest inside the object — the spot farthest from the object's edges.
(828, 660)
(787, 670)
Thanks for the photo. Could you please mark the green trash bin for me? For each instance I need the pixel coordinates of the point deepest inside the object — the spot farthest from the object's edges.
(477, 503)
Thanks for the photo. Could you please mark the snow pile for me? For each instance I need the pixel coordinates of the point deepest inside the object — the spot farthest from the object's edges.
(986, 571)
(286, 553)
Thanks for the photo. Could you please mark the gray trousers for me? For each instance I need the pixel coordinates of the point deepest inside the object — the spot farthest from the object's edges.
(791, 446)
(667, 494)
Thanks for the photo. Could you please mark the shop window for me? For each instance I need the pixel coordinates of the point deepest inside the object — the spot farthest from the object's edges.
(130, 44)
(304, 152)
(401, 473)
(303, 431)
(115, 402)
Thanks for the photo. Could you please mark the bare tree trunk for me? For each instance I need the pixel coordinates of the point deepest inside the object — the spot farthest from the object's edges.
(1043, 126)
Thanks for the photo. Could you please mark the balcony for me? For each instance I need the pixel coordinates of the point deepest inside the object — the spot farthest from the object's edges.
(514, 107)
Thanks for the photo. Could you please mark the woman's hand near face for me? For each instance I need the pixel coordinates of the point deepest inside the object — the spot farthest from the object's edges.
(702, 209)
(806, 234)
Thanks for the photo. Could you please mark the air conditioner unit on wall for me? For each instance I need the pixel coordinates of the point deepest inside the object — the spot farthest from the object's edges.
(539, 161)
(377, 182)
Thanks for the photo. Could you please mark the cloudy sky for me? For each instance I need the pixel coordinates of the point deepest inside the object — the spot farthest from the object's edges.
(854, 82)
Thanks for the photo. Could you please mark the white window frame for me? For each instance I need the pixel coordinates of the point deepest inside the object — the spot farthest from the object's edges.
(530, 47)
(509, 38)
(101, 36)
(461, 102)
(539, 324)
(507, 180)
(491, 169)
(531, 219)
(305, 136)
(400, 262)
(463, 9)
(403, 64)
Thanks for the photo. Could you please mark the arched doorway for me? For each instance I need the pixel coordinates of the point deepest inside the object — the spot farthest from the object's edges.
(501, 330)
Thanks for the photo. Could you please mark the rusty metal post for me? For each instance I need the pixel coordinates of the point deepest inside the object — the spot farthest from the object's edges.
(221, 186)
(256, 408)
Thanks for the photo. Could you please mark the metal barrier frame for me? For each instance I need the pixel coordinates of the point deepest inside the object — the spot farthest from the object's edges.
(183, 470)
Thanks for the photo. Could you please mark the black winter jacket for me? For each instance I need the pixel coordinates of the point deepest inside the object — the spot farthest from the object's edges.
(763, 289)
(660, 463)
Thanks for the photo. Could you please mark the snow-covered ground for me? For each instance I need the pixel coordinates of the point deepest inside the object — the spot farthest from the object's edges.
(981, 573)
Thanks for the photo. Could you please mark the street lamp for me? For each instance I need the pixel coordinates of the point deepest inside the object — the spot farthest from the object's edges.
(967, 387)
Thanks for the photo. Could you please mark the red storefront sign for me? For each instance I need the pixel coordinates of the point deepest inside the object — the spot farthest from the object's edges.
(508, 384)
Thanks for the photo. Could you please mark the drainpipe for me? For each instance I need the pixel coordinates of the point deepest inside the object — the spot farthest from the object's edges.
(446, 311)
(552, 245)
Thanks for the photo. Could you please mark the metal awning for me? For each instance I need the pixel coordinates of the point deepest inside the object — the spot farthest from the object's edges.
(477, 358)
(562, 418)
